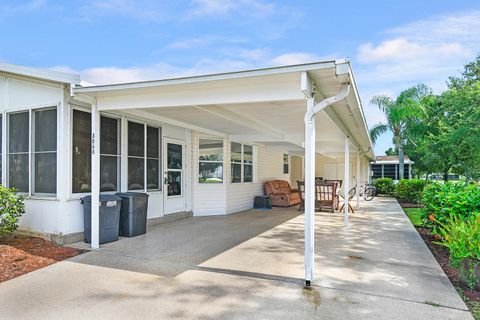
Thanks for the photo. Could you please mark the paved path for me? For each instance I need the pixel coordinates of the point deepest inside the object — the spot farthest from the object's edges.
(247, 266)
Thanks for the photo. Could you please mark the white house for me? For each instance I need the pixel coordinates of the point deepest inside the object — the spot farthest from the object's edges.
(199, 145)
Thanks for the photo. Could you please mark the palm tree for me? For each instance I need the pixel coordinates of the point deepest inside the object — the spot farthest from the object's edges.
(399, 112)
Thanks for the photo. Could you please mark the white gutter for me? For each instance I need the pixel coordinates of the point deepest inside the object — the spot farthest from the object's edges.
(307, 87)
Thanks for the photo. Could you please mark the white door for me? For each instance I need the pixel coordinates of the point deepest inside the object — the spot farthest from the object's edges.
(174, 175)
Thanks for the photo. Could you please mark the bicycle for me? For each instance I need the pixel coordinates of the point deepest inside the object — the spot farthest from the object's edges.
(369, 192)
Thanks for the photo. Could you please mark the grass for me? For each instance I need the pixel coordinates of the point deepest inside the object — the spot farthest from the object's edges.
(474, 305)
(414, 214)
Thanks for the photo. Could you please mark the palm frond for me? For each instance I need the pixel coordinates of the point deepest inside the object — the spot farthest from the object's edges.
(377, 130)
(382, 102)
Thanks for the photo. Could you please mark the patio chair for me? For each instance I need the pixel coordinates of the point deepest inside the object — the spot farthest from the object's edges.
(351, 193)
(325, 196)
(301, 191)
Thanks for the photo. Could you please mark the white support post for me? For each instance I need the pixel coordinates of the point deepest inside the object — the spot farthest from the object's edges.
(95, 227)
(409, 171)
(346, 186)
(357, 187)
(309, 194)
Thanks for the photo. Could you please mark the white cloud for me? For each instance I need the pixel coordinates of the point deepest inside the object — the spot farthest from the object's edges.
(143, 11)
(27, 7)
(218, 8)
(425, 51)
(294, 58)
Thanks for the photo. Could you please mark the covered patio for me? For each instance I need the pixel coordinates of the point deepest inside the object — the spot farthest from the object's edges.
(247, 265)
(309, 111)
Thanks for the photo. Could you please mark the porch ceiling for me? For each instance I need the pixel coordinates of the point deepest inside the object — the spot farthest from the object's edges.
(258, 106)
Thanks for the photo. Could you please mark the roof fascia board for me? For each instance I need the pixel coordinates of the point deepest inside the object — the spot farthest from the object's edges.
(43, 74)
(205, 78)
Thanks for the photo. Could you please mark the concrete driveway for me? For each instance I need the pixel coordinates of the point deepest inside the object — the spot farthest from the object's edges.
(247, 266)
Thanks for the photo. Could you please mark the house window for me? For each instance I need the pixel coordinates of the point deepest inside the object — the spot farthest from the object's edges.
(82, 158)
(32, 139)
(153, 158)
(109, 154)
(210, 165)
(18, 151)
(81, 152)
(247, 163)
(285, 163)
(241, 162)
(44, 154)
(236, 162)
(1, 147)
(139, 157)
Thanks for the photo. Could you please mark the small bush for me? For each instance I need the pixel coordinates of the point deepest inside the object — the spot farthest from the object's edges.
(384, 186)
(462, 238)
(11, 209)
(444, 201)
(410, 190)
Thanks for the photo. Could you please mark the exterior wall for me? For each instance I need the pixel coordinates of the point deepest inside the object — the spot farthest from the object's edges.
(23, 94)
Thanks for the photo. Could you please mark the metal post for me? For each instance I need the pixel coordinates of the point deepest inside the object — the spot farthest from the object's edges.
(358, 180)
(309, 194)
(346, 181)
(95, 237)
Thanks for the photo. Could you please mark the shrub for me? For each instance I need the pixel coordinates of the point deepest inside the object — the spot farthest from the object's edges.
(410, 190)
(384, 186)
(462, 238)
(444, 201)
(11, 209)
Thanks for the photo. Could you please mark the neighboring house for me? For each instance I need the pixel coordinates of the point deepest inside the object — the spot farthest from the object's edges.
(198, 146)
(388, 167)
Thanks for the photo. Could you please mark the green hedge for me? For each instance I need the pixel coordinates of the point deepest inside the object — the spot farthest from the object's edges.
(444, 201)
(410, 190)
(384, 186)
(11, 209)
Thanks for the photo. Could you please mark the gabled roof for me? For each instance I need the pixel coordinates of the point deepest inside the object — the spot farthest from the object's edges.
(38, 73)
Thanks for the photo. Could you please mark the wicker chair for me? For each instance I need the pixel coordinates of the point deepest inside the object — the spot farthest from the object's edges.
(326, 196)
(301, 191)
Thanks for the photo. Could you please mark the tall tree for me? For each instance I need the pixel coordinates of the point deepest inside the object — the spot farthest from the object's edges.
(398, 113)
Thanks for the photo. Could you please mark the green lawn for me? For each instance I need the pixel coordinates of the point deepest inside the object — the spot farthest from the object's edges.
(414, 214)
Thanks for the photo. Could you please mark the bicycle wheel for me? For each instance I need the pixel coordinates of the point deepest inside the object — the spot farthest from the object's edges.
(369, 194)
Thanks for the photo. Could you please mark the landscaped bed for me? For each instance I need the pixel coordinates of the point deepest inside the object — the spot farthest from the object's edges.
(441, 254)
(21, 254)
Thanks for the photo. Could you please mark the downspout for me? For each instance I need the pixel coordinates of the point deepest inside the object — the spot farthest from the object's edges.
(312, 110)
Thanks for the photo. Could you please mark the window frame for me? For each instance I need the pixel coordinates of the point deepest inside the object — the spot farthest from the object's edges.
(210, 161)
(5, 135)
(287, 163)
(145, 156)
(119, 151)
(242, 163)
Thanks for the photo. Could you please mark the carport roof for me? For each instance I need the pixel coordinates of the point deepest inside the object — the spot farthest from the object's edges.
(262, 105)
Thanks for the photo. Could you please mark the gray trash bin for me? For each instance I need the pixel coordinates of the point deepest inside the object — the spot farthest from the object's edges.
(109, 217)
(133, 215)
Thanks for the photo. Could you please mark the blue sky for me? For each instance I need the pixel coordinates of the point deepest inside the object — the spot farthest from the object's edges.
(392, 45)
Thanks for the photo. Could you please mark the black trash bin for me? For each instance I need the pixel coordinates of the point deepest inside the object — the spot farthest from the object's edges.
(133, 215)
(109, 217)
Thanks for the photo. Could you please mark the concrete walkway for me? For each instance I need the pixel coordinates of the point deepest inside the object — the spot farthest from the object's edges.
(247, 266)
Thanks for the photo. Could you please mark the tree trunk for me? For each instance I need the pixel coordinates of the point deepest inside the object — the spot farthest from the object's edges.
(401, 160)
(445, 176)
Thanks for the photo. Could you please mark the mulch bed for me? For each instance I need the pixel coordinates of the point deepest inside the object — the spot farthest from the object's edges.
(21, 254)
(408, 204)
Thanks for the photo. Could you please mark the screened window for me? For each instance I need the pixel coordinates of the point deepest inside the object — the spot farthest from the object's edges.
(210, 165)
(1, 147)
(136, 156)
(153, 158)
(18, 151)
(285, 163)
(82, 157)
(236, 162)
(44, 155)
(109, 154)
(81, 152)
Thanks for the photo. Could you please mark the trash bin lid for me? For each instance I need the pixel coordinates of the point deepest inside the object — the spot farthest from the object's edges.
(132, 194)
(103, 198)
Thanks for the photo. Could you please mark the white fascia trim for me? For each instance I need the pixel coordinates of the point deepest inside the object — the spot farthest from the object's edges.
(45, 74)
(209, 77)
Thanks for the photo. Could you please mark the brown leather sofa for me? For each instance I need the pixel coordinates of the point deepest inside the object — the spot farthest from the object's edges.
(281, 194)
